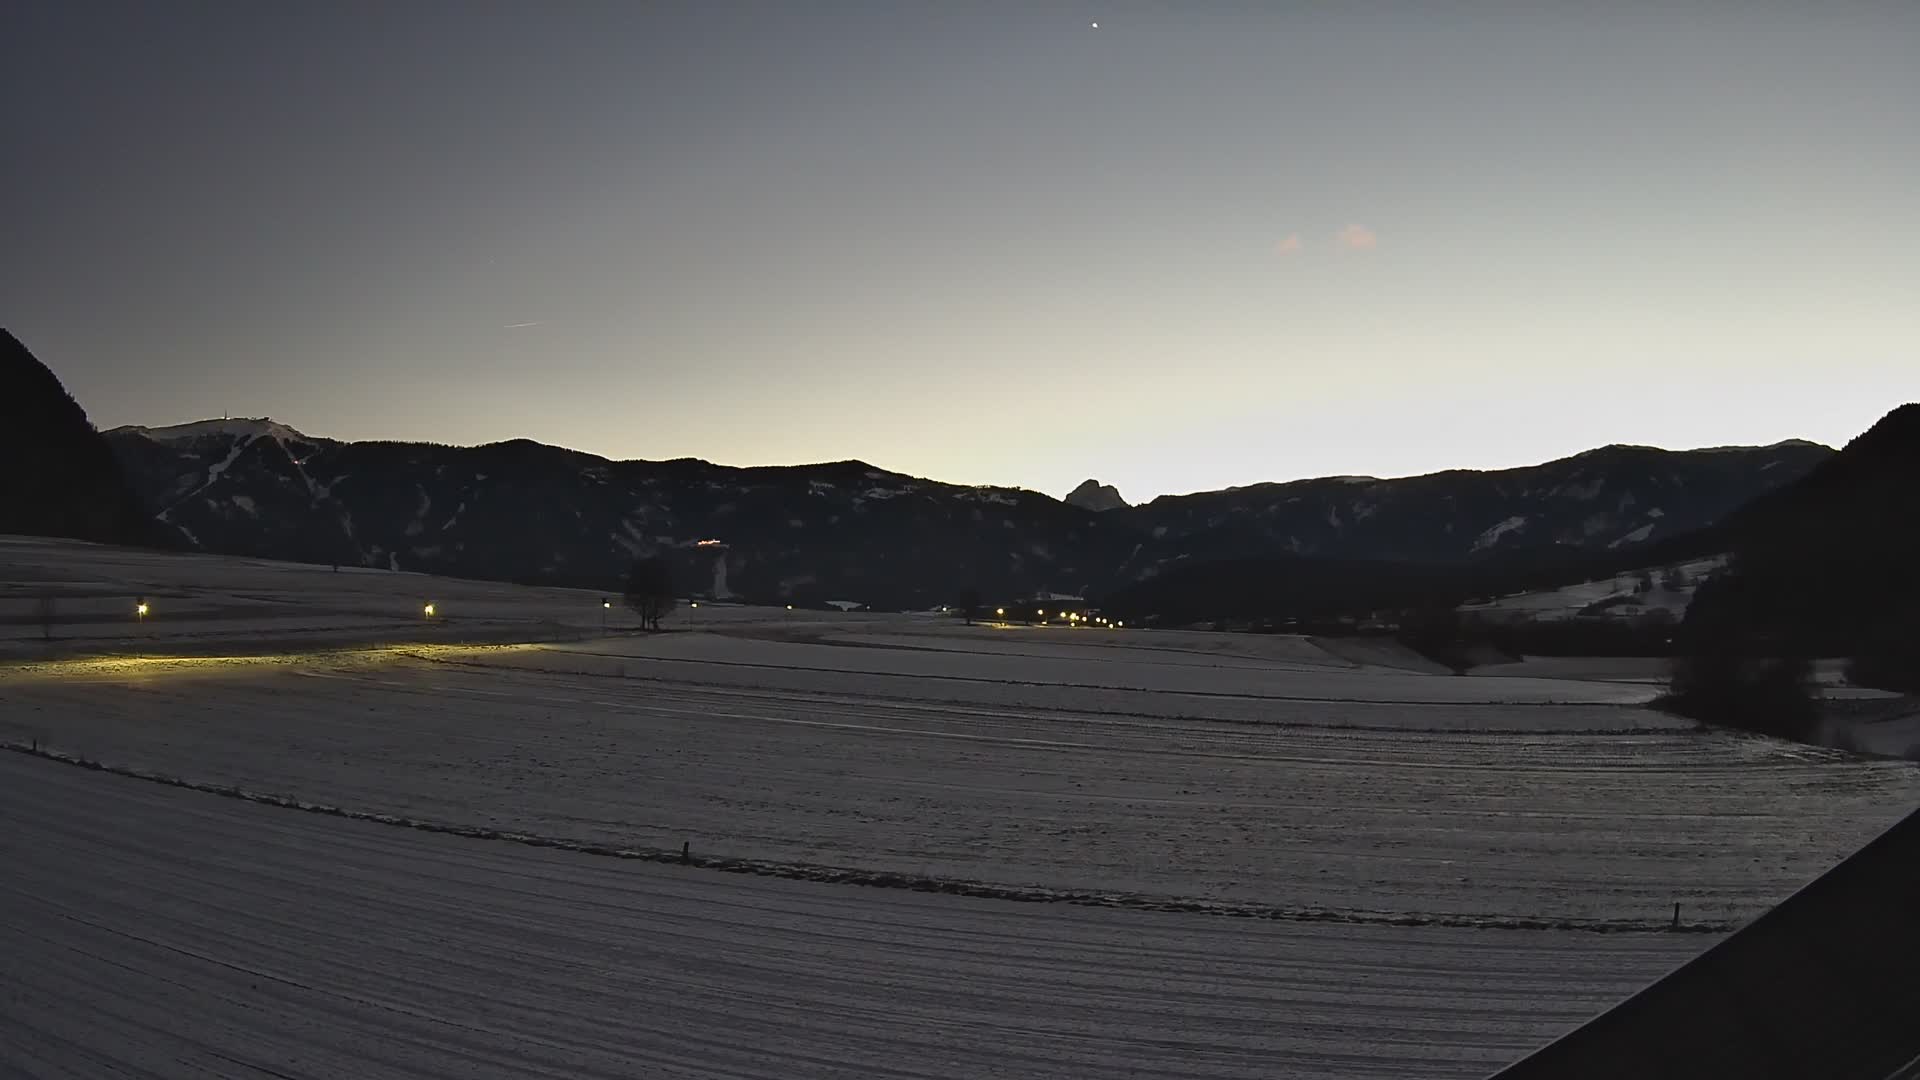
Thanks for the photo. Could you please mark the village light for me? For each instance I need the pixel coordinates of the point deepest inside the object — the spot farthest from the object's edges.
(141, 609)
(427, 610)
(1000, 611)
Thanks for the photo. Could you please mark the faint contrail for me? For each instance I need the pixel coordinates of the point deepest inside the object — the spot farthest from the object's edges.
(518, 325)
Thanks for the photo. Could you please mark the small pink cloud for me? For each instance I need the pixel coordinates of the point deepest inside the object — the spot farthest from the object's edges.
(1288, 244)
(1357, 238)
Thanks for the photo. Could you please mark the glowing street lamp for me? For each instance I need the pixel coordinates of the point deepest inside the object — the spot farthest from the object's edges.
(1000, 612)
(427, 610)
(140, 609)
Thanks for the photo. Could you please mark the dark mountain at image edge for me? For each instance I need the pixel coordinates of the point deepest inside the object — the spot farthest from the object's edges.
(58, 476)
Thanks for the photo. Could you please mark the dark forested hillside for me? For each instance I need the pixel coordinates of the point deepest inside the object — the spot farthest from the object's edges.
(58, 476)
(1827, 566)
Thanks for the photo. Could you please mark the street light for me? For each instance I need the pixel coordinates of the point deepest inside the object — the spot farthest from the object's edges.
(1000, 612)
(140, 609)
(427, 610)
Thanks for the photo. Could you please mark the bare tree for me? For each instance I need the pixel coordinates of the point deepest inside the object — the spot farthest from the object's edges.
(650, 591)
(970, 604)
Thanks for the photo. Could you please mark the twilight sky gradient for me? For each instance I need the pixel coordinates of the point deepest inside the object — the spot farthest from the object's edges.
(1204, 244)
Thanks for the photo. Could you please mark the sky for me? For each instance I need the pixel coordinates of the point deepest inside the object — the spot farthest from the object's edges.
(1196, 245)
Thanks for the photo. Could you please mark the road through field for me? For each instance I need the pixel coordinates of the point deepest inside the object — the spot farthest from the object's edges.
(157, 932)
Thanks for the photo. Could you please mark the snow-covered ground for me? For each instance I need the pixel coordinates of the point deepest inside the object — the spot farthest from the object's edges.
(1058, 662)
(212, 601)
(1673, 588)
(1428, 862)
(157, 932)
(1366, 810)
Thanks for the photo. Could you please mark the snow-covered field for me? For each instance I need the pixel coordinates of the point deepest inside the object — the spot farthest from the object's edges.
(211, 601)
(1673, 589)
(150, 931)
(1438, 872)
(1363, 810)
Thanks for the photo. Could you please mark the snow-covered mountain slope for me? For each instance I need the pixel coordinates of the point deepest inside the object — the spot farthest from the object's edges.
(1613, 498)
(233, 428)
(523, 511)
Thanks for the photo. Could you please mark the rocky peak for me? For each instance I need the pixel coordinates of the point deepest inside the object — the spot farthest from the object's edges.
(1095, 496)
